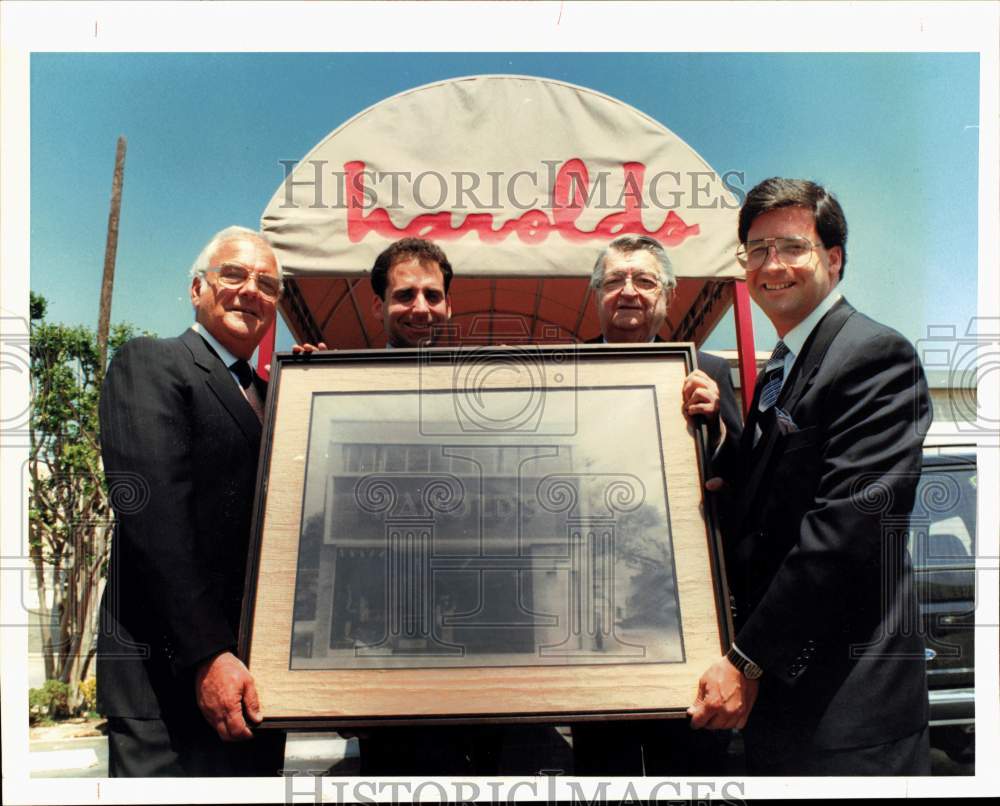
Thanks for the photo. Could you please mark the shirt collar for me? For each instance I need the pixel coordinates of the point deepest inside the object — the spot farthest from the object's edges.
(227, 357)
(795, 339)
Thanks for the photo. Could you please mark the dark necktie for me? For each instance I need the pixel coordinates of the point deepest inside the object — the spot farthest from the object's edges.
(243, 372)
(770, 379)
(774, 373)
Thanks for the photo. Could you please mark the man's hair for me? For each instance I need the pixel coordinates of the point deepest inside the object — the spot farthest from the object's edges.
(406, 249)
(633, 243)
(203, 262)
(776, 193)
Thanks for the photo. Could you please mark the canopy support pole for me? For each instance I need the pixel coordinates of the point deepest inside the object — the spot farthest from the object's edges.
(265, 350)
(745, 349)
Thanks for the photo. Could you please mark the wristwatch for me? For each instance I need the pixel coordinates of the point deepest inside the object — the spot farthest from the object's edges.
(749, 669)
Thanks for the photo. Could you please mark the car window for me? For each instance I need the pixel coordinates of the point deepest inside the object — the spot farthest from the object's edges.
(943, 521)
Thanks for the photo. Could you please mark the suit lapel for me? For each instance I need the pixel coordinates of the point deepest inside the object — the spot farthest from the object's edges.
(758, 457)
(813, 352)
(221, 383)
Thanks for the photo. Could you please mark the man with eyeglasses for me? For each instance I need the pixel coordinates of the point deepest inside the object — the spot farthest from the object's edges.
(634, 283)
(180, 436)
(827, 669)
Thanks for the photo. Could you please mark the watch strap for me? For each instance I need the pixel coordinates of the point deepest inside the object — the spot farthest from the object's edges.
(746, 667)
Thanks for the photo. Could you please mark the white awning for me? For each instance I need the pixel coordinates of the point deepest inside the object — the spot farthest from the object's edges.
(522, 181)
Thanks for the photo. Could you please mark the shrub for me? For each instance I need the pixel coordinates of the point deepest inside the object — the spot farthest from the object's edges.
(88, 695)
(51, 701)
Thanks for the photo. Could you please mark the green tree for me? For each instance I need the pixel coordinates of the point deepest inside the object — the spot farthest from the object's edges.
(643, 543)
(69, 515)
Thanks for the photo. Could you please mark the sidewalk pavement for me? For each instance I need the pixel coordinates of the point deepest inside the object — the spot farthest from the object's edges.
(87, 756)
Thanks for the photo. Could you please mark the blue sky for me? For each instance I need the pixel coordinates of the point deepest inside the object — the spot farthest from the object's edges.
(895, 136)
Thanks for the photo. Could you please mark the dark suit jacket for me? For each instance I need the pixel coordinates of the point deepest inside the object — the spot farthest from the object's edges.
(180, 445)
(719, 371)
(818, 563)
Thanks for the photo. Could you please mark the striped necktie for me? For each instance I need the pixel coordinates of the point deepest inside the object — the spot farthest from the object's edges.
(243, 372)
(774, 373)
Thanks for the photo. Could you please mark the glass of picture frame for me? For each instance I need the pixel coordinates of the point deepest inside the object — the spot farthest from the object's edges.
(481, 534)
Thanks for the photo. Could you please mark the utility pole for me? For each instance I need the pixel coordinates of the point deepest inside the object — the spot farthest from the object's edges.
(110, 252)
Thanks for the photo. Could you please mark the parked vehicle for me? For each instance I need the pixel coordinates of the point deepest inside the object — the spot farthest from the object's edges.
(943, 549)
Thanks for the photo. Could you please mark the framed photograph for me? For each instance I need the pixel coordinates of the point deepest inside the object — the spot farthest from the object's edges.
(470, 534)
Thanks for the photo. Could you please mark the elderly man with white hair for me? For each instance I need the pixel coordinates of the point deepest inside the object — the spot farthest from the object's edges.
(181, 432)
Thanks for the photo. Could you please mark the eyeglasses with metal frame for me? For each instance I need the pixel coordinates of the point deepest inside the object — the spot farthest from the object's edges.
(643, 283)
(232, 275)
(792, 252)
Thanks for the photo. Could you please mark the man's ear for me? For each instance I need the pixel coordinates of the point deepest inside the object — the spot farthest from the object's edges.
(195, 290)
(668, 298)
(447, 300)
(835, 258)
(377, 307)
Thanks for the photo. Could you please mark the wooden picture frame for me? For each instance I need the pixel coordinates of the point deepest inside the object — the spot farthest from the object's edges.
(481, 534)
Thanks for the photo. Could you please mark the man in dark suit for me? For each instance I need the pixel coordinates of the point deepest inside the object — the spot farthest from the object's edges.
(180, 418)
(827, 669)
(634, 282)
